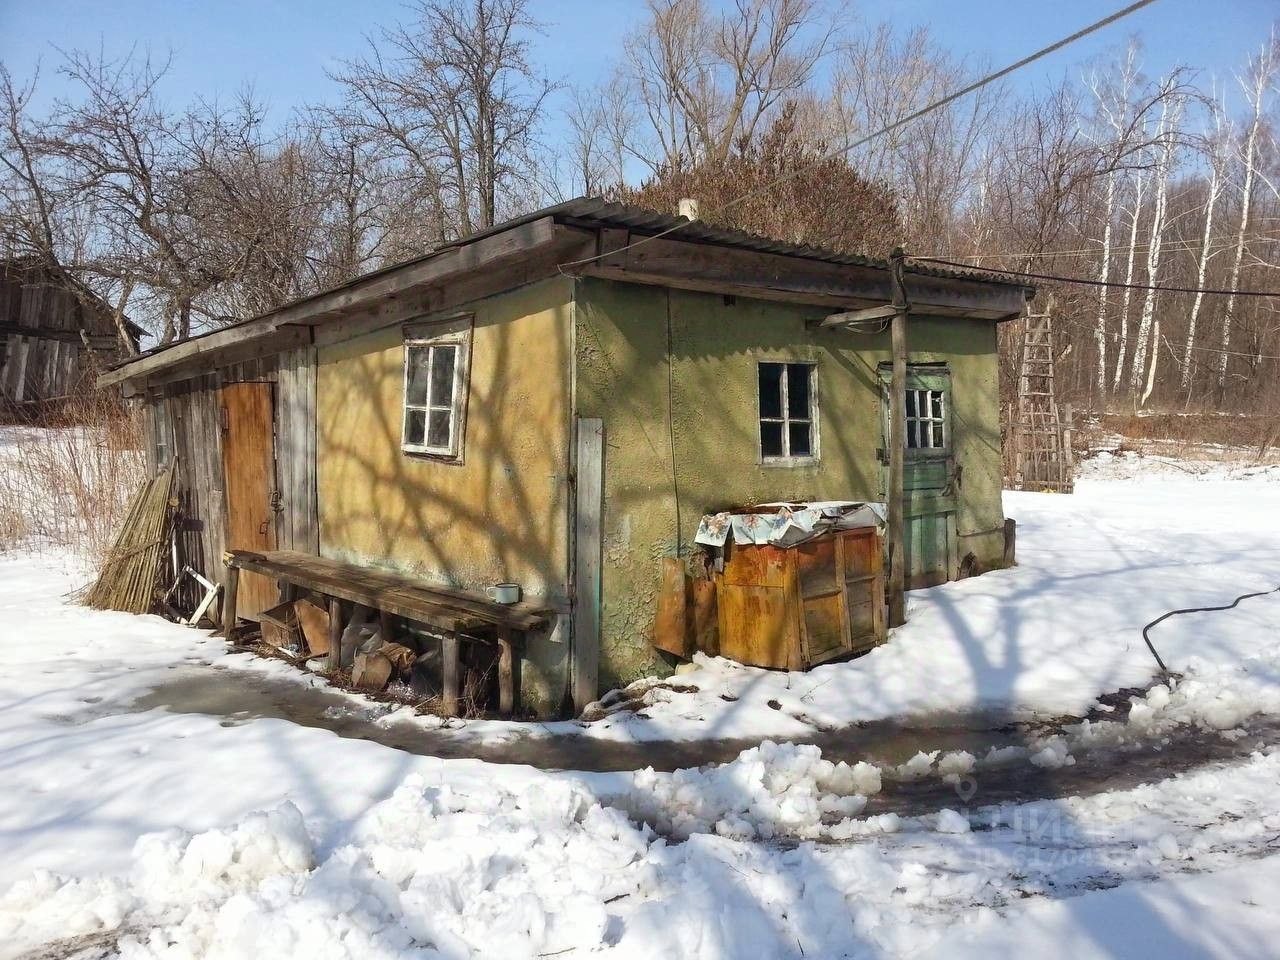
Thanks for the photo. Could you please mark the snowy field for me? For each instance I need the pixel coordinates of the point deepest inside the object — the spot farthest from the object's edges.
(157, 834)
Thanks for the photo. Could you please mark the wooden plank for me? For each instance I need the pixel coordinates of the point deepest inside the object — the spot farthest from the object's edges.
(857, 316)
(897, 444)
(506, 672)
(270, 328)
(588, 559)
(297, 526)
(230, 599)
(249, 480)
(706, 631)
(18, 370)
(335, 632)
(714, 268)
(394, 593)
(314, 621)
(672, 622)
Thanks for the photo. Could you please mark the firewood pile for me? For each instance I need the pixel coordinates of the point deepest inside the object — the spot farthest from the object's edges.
(372, 654)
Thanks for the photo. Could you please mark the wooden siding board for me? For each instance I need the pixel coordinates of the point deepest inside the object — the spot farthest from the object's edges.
(296, 451)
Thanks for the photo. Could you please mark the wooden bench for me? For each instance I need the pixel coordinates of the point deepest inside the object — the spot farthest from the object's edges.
(450, 612)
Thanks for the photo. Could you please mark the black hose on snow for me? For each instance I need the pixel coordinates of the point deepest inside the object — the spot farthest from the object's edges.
(1173, 613)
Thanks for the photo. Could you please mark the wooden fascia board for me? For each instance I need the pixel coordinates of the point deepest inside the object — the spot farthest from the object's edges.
(712, 268)
(266, 332)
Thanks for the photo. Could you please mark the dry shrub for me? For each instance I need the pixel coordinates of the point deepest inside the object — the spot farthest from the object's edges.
(66, 479)
(1196, 435)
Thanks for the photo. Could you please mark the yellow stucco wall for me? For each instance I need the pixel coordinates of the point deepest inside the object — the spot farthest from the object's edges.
(502, 514)
(703, 441)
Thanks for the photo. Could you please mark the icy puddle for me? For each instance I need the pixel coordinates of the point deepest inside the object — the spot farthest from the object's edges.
(240, 697)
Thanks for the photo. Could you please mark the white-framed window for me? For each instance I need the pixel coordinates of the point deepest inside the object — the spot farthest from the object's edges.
(788, 408)
(435, 389)
(926, 419)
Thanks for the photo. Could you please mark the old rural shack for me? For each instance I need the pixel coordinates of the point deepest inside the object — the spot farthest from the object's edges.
(556, 403)
(51, 328)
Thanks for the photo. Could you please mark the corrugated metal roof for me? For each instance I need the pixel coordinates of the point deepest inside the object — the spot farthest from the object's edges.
(596, 211)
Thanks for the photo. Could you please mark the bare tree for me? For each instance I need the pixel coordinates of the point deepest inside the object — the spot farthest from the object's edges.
(1166, 137)
(1255, 84)
(703, 82)
(453, 97)
(1215, 145)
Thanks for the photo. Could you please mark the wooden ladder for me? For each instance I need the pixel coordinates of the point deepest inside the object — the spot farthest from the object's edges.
(1043, 452)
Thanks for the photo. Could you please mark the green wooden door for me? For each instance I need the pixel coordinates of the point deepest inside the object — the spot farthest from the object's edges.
(928, 478)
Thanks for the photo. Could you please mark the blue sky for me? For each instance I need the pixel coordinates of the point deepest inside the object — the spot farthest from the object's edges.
(283, 48)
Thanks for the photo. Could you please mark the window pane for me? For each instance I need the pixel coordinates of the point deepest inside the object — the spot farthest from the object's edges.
(416, 390)
(913, 434)
(438, 429)
(937, 435)
(801, 435)
(936, 397)
(415, 425)
(798, 383)
(771, 439)
(911, 403)
(443, 359)
(771, 390)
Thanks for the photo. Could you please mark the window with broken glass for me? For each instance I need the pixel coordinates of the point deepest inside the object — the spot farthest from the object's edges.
(788, 413)
(926, 420)
(435, 395)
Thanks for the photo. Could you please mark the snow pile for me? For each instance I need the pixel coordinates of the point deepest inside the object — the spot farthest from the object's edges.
(773, 790)
(427, 869)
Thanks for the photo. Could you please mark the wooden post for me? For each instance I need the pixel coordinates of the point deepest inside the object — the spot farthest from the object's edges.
(449, 665)
(506, 672)
(897, 442)
(1068, 454)
(589, 490)
(229, 602)
(335, 633)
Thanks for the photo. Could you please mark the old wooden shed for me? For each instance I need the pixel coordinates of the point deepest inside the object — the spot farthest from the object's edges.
(555, 402)
(51, 328)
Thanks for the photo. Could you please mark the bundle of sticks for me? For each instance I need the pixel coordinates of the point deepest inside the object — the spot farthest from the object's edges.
(130, 577)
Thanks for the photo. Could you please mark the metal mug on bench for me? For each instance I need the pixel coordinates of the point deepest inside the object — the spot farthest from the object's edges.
(507, 593)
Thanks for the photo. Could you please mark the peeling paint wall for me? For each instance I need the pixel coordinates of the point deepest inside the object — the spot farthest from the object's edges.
(501, 514)
(681, 434)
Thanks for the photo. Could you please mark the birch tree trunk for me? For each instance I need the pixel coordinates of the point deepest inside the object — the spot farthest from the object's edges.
(1104, 274)
(1148, 328)
(1122, 346)
(1261, 71)
(1202, 266)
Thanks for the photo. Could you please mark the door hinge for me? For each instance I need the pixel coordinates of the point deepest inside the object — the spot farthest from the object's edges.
(276, 501)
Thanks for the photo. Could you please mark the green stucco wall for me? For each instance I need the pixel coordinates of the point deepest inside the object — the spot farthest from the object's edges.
(689, 427)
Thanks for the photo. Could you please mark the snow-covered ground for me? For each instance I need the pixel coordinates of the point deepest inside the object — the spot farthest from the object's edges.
(1139, 537)
(156, 834)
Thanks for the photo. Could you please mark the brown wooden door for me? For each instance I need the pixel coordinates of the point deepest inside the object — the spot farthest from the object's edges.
(248, 468)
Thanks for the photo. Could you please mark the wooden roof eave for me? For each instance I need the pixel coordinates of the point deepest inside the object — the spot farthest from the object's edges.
(532, 250)
(712, 268)
(526, 252)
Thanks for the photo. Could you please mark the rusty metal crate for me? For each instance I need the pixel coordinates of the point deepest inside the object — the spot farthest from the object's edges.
(794, 608)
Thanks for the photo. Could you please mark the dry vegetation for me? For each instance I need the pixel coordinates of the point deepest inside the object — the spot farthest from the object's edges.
(1189, 436)
(68, 482)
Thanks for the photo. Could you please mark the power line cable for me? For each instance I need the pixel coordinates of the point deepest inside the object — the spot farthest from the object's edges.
(1092, 331)
(1084, 281)
(910, 118)
(1217, 244)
